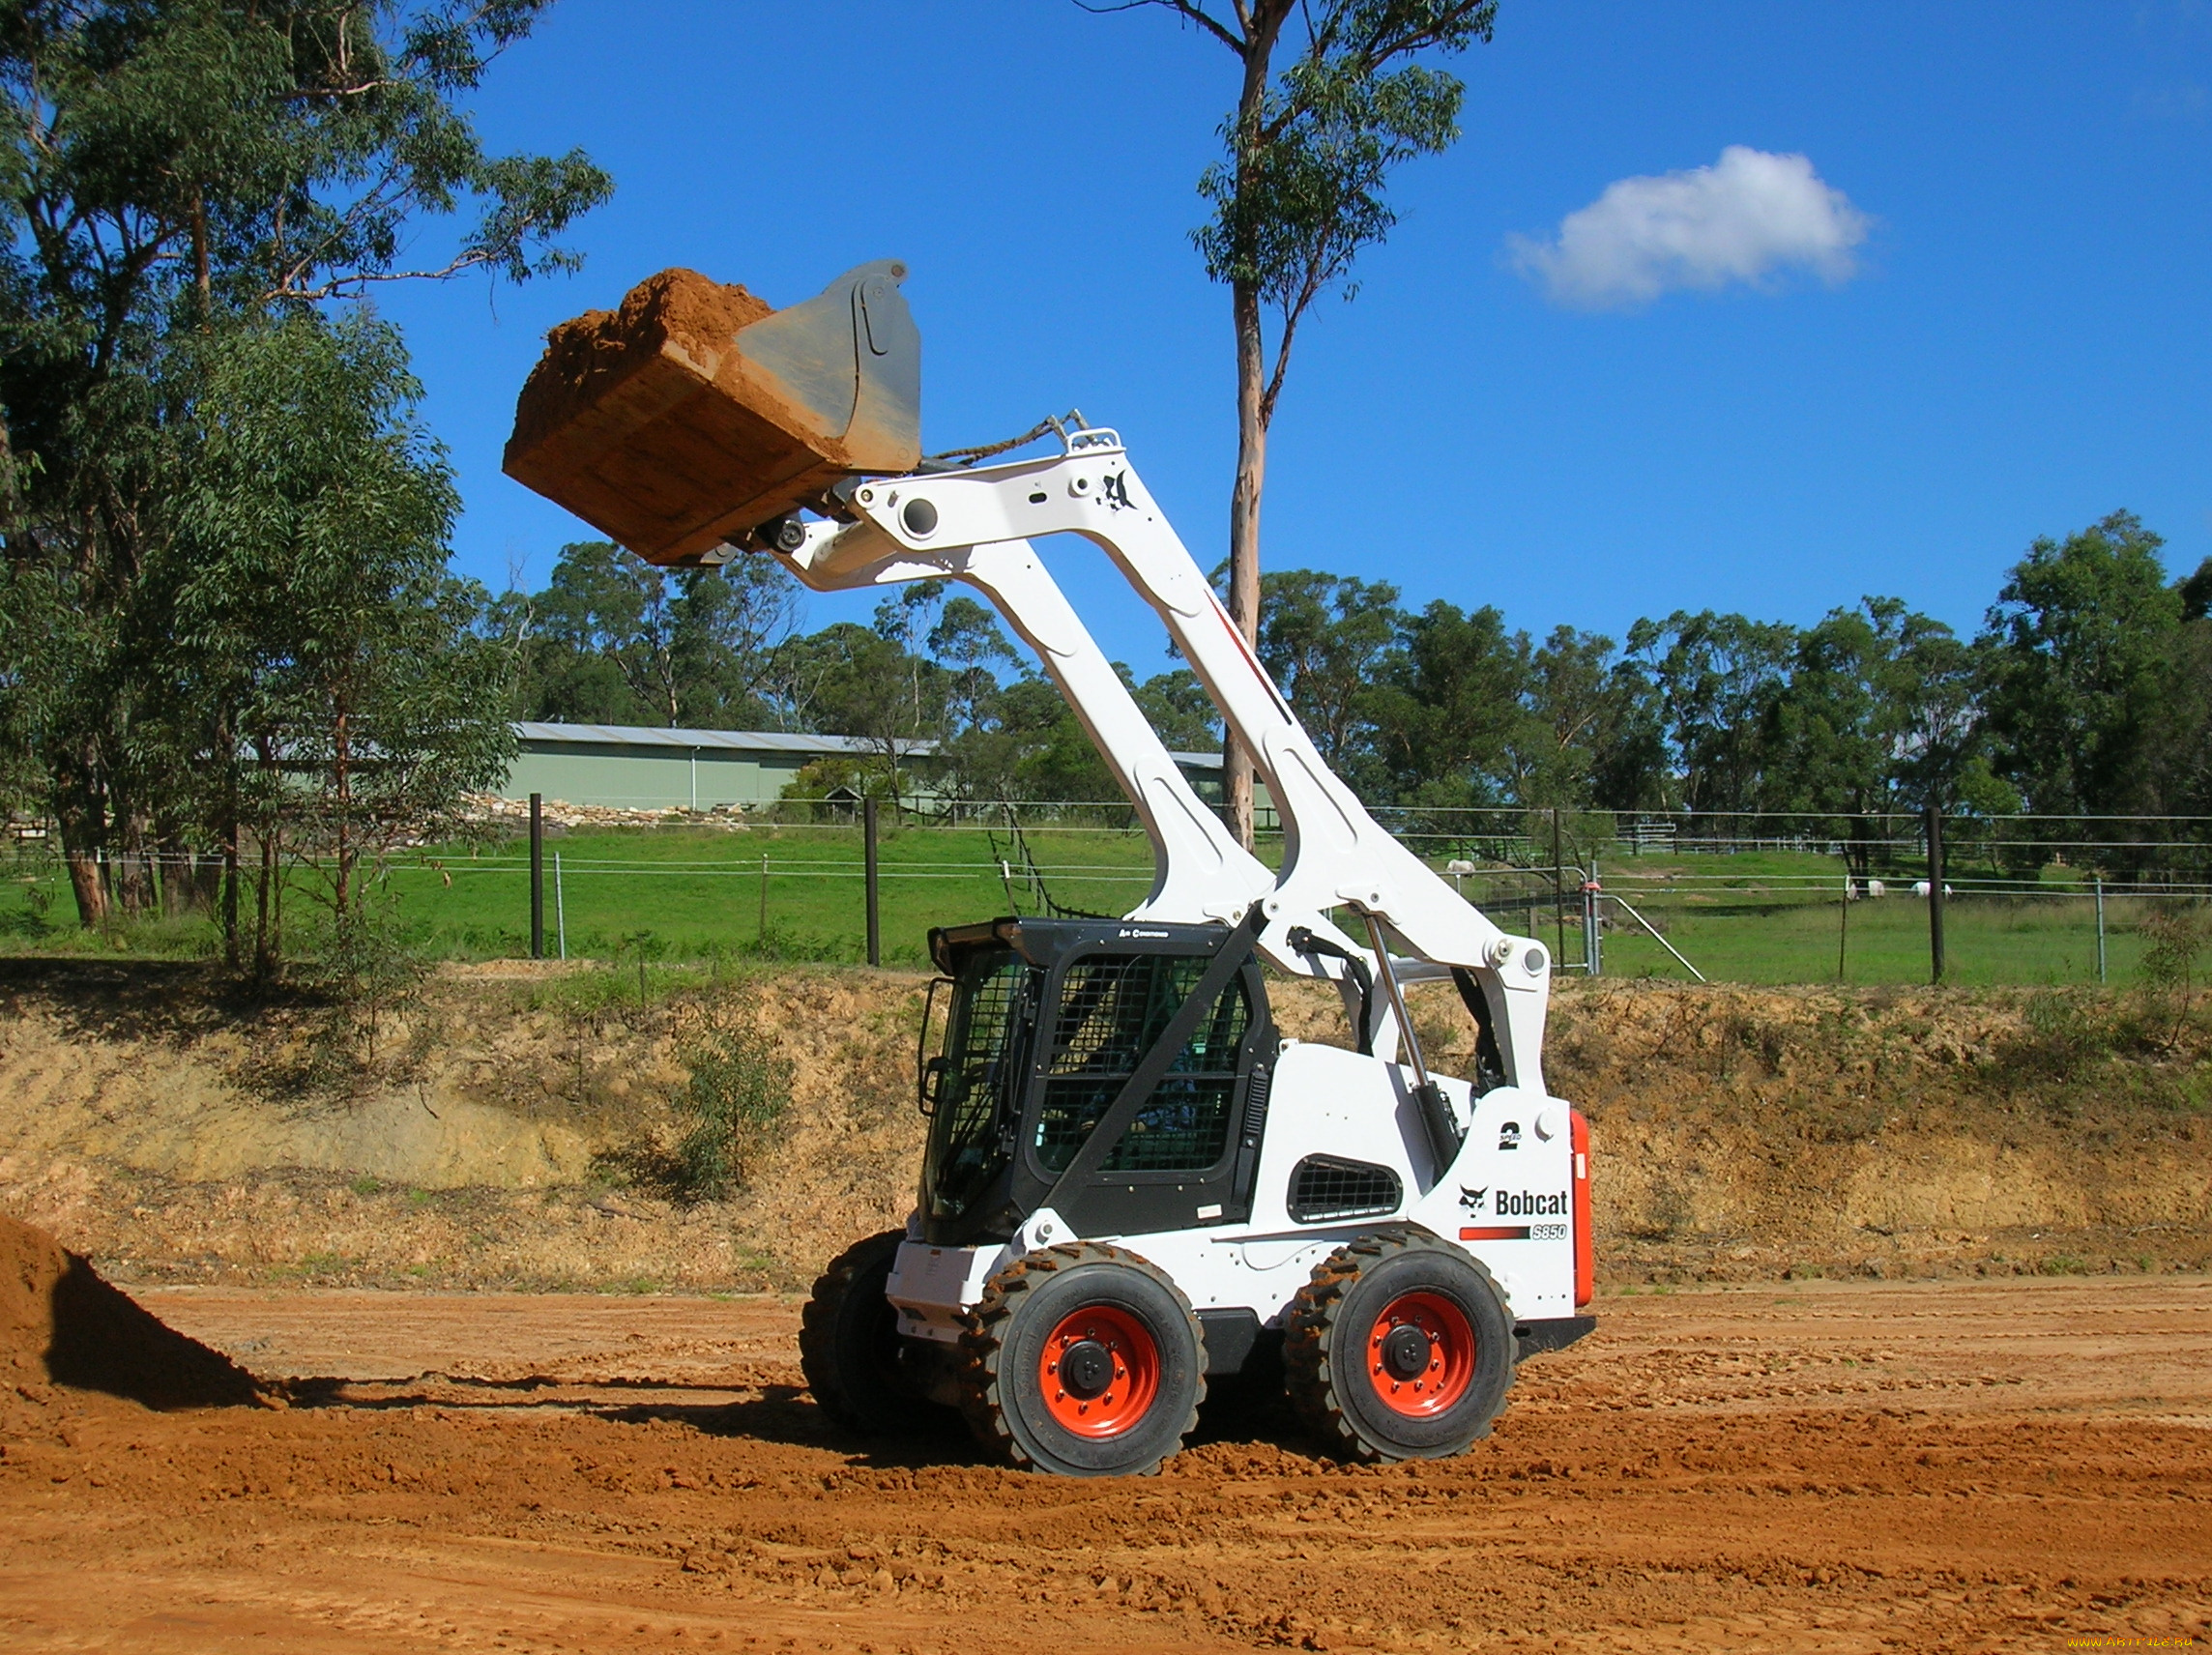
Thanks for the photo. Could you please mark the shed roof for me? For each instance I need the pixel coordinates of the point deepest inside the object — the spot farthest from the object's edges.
(530, 732)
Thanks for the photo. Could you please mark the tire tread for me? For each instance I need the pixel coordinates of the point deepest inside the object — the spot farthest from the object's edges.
(983, 1346)
(1312, 1328)
(818, 1358)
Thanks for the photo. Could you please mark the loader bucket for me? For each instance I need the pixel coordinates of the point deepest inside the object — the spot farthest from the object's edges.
(694, 412)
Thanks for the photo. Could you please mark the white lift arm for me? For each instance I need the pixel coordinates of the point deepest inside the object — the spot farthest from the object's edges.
(1336, 855)
(1199, 872)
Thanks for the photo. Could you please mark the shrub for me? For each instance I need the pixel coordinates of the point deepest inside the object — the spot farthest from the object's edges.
(730, 1108)
(2064, 1040)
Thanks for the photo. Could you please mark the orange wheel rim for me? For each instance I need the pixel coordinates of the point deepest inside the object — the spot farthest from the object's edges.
(1420, 1354)
(1099, 1371)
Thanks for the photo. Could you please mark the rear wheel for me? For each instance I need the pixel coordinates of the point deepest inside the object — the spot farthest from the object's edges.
(1400, 1347)
(855, 1364)
(1084, 1360)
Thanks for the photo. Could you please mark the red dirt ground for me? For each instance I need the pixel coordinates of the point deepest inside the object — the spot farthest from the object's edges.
(2003, 1465)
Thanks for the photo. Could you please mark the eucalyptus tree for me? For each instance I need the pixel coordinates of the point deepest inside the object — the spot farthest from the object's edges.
(1332, 96)
(1322, 638)
(1715, 676)
(613, 640)
(332, 671)
(2093, 693)
(170, 169)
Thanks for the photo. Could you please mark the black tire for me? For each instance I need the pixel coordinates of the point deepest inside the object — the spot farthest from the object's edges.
(850, 1349)
(1127, 1334)
(1400, 1347)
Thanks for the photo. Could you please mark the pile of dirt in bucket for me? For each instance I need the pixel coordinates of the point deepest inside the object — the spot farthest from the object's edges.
(694, 412)
(60, 1323)
(646, 421)
(588, 355)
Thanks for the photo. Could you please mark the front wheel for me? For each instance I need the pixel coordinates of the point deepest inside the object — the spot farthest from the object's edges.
(1084, 1360)
(1400, 1347)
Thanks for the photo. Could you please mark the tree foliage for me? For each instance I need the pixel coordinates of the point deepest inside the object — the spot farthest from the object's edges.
(184, 188)
(2090, 692)
(327, 685)
(1310, 150)
(612, 640)
(934, 673)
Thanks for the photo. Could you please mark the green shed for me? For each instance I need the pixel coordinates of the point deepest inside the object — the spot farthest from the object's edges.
(633, 767)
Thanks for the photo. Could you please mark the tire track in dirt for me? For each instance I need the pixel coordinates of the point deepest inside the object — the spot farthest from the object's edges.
(1956, 1467)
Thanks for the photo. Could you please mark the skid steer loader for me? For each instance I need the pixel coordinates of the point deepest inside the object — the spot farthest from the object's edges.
(1132, 1184)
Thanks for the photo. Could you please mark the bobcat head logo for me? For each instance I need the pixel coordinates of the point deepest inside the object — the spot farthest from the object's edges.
(1471, 1198)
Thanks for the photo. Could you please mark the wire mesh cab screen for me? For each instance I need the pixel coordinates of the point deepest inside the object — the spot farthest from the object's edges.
(974, 1088)
(1110, 1010)
(1323, 1188)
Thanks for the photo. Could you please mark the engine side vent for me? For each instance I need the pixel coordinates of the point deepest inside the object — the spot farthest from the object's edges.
(1325, 1188)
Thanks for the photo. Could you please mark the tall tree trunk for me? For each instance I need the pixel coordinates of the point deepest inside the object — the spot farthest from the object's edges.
(1858, 854)
(343, 794)
(264, 908)
(85, 883)
(227, 745)
(201, 279)
(82, 824)
(267, 880)
(233, 953)
(175, 868)
(133, 860)
(1244, 534)
(1264, 26)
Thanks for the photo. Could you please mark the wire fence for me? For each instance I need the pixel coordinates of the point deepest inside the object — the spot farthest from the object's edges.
(1745, 897)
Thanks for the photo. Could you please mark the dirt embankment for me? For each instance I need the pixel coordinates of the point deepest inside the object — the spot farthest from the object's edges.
(509, 1126)
(1749, 1133)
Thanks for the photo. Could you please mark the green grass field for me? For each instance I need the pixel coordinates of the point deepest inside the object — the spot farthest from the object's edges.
(683, 894)
(680, 893)
(1779, 917)
(695, 894)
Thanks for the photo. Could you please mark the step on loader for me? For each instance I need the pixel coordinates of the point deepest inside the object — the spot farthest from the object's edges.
(1133, 1185)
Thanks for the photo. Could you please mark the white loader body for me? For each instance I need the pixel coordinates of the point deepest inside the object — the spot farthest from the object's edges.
(1517, 1181)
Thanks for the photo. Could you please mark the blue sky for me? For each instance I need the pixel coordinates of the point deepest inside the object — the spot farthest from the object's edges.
(2008, 332)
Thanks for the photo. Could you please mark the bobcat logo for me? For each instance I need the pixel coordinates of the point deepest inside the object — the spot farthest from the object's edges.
(1471, 1198)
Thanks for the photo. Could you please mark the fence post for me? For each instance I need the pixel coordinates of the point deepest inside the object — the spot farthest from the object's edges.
(1597, 922)
(537, 876)
(560, 907)
(1936, 891)
(868, 856)
(1843, 927)
(1559, 888)
(764, 896)
(2100, 930)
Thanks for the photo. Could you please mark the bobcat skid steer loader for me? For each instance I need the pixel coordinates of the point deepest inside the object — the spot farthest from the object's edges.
(1132, 1182)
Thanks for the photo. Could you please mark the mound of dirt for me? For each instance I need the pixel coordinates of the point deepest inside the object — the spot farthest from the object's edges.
(61, 1324)
(587, 356)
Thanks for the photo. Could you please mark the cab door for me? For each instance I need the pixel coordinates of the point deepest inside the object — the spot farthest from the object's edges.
(1189, 1156)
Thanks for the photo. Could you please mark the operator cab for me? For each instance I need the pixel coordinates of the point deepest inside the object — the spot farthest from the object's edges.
(1047, 1022)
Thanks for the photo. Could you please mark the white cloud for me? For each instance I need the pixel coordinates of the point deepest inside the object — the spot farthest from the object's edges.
(1747, 217)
